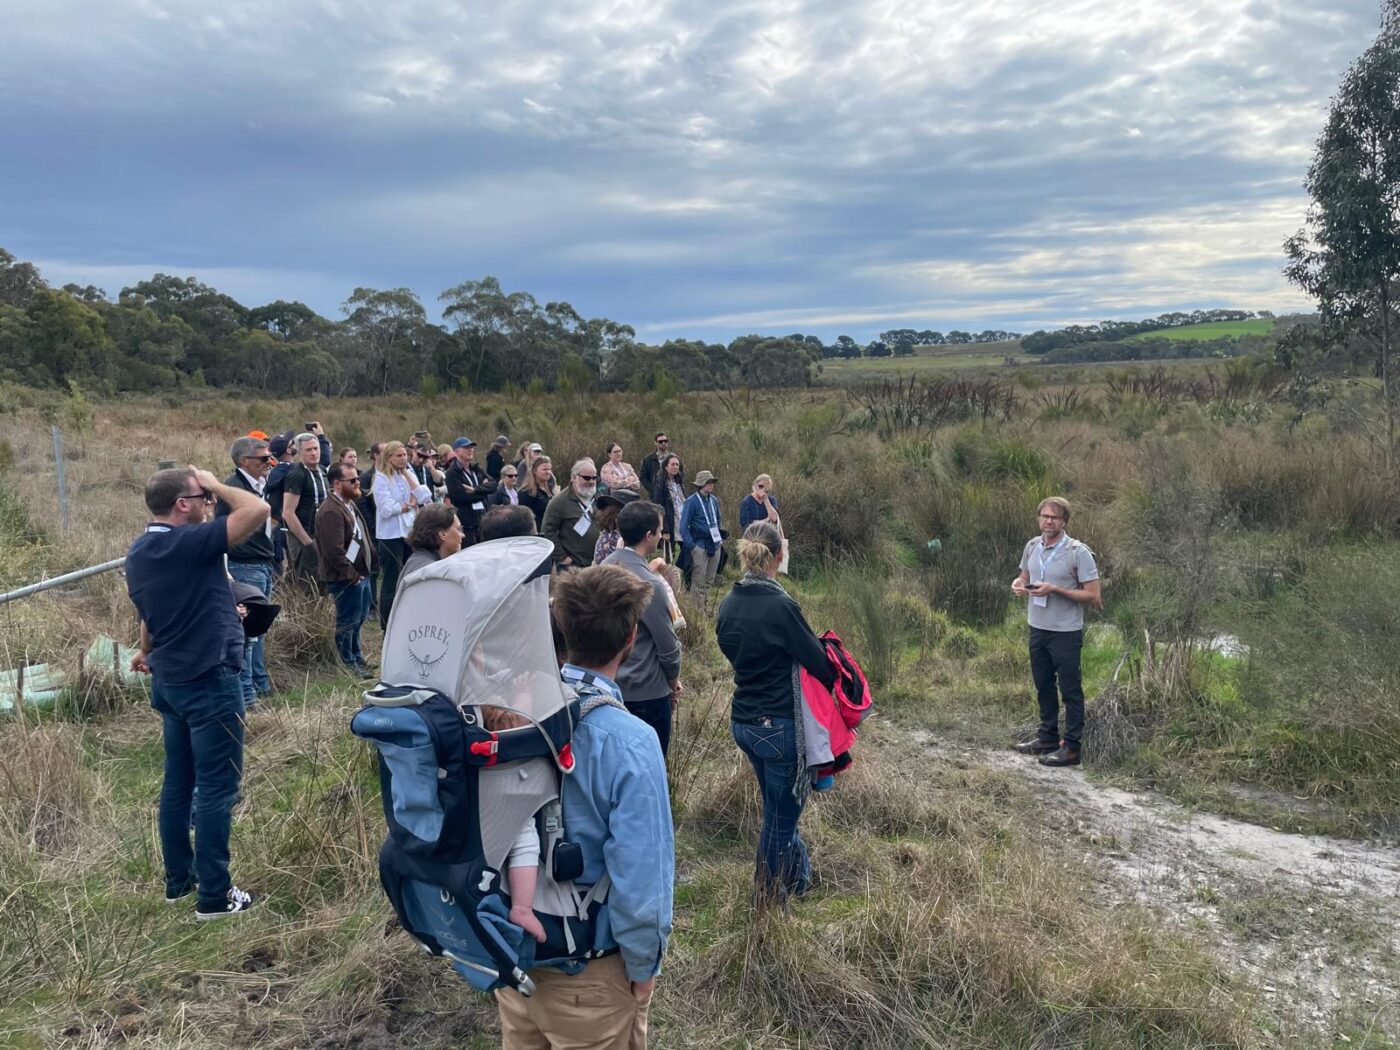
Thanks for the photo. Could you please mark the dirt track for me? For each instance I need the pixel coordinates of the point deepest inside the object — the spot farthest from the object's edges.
(1312, 921)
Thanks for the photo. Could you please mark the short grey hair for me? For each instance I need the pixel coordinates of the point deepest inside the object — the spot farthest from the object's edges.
(303, 438)
(578, 468)
(246, 446)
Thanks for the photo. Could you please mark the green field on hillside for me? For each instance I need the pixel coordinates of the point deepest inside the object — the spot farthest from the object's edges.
(925, 359)
(1214, 330)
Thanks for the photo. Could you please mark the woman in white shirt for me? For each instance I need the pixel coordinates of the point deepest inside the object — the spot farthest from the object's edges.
(397, 497)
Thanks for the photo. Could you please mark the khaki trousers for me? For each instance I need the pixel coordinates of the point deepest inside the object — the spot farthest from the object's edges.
(592, 1010)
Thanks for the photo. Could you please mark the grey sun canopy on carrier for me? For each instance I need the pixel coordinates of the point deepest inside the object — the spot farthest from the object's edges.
(475, 628)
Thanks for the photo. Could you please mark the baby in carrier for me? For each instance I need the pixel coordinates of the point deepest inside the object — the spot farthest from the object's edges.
(523, 861)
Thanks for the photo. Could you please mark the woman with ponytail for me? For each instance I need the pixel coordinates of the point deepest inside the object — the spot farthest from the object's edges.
(763, 634)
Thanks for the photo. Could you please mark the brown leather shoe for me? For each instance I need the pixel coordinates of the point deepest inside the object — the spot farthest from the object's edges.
(1035, 747)
(1065, 756)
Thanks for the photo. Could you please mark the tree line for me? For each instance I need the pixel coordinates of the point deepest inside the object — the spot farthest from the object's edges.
(169, 332)
(1041, 342)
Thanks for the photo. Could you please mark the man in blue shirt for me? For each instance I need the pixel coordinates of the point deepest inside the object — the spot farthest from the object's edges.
(192, 644)
(701, 535)
(617, 810)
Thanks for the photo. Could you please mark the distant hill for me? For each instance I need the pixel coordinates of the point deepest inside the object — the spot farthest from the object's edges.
(1207, 331)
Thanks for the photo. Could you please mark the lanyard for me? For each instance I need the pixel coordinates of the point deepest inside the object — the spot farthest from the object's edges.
(576, 675)
(705, 506)
(1044, 561)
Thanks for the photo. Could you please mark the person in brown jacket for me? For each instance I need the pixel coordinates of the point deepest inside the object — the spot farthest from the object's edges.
(344, 561)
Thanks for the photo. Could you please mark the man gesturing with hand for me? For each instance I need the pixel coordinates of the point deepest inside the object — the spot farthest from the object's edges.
(192, 645)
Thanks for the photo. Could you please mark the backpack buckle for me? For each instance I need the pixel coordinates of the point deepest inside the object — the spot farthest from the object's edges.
(487, 748)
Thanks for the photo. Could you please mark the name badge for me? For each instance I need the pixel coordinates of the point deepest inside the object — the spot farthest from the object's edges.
(1040, 600)
(714, 534)
(582, 526)
(478, 505)
(352, 552)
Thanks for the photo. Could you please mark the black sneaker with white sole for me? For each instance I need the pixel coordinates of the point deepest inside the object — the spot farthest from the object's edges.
(237, 902)
(178, 897)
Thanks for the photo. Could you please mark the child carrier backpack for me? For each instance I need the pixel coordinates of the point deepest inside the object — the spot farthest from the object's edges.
(468, 632)
(830, 717)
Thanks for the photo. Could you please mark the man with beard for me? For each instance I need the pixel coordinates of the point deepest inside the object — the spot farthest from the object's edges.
(568, 520)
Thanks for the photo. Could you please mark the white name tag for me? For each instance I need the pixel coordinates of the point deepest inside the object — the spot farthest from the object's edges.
(1040, 600)
(714, 533)
(583, 525)
(352, 552)
(478, 505)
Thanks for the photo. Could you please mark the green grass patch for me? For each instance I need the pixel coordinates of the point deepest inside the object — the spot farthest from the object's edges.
(1203, 332)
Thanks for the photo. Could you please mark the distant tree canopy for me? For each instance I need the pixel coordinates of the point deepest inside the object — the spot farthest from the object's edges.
(170, 332)
(1042, 342)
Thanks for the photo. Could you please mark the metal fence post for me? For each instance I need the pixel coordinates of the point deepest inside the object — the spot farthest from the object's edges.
(62, 479)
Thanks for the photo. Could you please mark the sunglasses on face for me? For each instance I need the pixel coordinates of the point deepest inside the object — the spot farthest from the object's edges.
(510, 475)
(588, 477)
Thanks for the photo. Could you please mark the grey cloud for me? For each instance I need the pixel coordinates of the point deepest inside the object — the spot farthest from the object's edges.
(673, 164)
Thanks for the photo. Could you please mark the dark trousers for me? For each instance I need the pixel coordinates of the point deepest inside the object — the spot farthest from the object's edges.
(1055, 658)
(203, 733)
(392, 555)
(255, 680)
(351, 610)
(301, 562)
(783, 865)
(657, 714)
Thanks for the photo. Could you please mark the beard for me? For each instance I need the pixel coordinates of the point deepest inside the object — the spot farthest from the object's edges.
(587, 492)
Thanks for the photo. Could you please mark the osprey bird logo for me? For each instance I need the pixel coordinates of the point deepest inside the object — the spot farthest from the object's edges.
(427, 647)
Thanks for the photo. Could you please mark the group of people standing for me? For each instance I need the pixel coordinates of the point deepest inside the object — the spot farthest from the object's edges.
(616, 553)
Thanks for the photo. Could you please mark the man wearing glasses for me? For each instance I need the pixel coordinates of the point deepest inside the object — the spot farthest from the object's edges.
(1058, 578)
(568, 520)
(651, 465)
(192, 646)
(251, 561)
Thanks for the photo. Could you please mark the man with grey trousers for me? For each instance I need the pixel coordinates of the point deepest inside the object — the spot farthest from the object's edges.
(650, 676)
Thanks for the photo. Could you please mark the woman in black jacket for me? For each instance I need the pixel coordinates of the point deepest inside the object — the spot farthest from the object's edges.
(668, 492)
(763, 634)
(537, 488)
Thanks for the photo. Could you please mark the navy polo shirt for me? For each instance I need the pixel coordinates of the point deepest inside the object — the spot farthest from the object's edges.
(176, 579)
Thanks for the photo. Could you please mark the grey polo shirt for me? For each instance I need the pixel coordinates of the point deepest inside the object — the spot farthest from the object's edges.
(1068, 564)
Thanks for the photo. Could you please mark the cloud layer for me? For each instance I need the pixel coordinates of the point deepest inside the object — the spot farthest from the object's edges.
(787, 165)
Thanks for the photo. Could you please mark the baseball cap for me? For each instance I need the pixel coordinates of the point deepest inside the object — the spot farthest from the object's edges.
(463, 443)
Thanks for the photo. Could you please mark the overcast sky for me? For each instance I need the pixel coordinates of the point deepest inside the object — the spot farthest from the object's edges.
(691, 169)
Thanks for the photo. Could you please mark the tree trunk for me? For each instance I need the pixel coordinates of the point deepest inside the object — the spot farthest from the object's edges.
(1386, 385)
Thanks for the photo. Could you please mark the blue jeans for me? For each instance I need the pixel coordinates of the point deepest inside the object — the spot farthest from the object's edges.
(255, 680)
(203, 731)
(783, 865)
(351, 611)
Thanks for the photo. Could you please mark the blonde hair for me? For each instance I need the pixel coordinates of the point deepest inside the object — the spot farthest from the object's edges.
(1059, 503)
(529, 484)
(388, 469)
(763, 477)
(759, 548)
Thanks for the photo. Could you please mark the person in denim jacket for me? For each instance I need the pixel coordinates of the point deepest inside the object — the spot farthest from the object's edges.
(617, 809)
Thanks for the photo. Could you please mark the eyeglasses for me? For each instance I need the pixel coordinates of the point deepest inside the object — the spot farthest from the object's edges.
(587, 477)
(663, 441)
(264, 458)
(1051, 517)
(512, 474)
(207, 497)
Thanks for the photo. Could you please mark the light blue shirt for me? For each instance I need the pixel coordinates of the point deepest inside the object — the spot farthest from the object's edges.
(617, 808)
